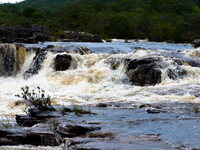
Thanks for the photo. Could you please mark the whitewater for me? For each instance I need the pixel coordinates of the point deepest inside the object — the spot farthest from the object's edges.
(91, 79)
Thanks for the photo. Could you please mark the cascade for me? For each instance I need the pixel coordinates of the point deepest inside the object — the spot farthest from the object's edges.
(12, 57)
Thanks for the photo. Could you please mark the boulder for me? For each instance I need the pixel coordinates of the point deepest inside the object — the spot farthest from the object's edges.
(144, 72)
(196, 43)
(62, 62)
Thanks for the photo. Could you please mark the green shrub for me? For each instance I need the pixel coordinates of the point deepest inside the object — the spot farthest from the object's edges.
(37, 99)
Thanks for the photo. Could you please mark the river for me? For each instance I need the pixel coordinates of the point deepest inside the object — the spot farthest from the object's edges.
(91, 80)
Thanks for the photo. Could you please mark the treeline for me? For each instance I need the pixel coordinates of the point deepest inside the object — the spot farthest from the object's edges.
(157, 20)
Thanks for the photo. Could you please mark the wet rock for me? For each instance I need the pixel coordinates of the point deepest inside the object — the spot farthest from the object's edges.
(196, 43)
(76, 130)
(143, 72)
(176, 73)
(155, 111)
(180, 59)
(101, 135)
(144, 105)
(132, 127)
(62, 62)
(37, 64)
(24, 136)
(28, 121)
(102, 105)
(152, 111)
(84, 50)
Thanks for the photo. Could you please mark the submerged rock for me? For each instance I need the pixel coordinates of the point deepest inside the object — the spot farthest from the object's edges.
(176, 73)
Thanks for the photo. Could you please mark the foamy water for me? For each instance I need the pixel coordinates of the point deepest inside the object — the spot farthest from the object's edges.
(91, 79)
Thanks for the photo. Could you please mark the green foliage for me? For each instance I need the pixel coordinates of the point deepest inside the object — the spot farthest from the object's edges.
(156, 20)
(53, 124)
(37, 99)
(196, 109)
(28, 12)
(5, 123)
(78, 110)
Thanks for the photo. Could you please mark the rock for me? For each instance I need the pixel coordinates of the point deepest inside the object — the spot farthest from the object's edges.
(62, 62)
(37, 62)
(28, 136)
(144, 72)
(101, 105)
(76, 130)
(84, 50)
(81, 37)
(27, 121)
(196, 43)
(175, 73)
(101, 135)
(24, 34)
(144, 105)
(155, 111)
(152, 111)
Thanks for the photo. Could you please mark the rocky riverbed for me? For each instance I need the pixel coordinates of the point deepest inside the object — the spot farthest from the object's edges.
(109, 126)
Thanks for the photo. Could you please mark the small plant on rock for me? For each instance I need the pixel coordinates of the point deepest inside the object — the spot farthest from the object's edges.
(5, 123)
(37, 99)
(53, 124)
(196, 109)
(78, 110)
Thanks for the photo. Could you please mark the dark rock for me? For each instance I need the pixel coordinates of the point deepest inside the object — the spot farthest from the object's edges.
(24, 34)
(150, 105)
(38, 60)
(81, 37)
(6, 40)
(28, 121)
(155, 111)
(62, 62)
(76, 130)
(143, 72)
(144, 105)
(101, 105)
(180, 59)
(101, 135)
(176, 73)
(196, 43)
(152, 111)
(23, 136)
(29, 40)
(35, 115)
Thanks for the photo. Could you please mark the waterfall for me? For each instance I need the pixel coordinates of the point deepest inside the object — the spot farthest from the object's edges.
(12, 58)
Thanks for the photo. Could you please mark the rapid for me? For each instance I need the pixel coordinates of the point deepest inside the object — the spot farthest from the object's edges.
(91, 79)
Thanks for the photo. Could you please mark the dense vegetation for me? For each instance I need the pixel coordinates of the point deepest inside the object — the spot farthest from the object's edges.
(156, 20)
